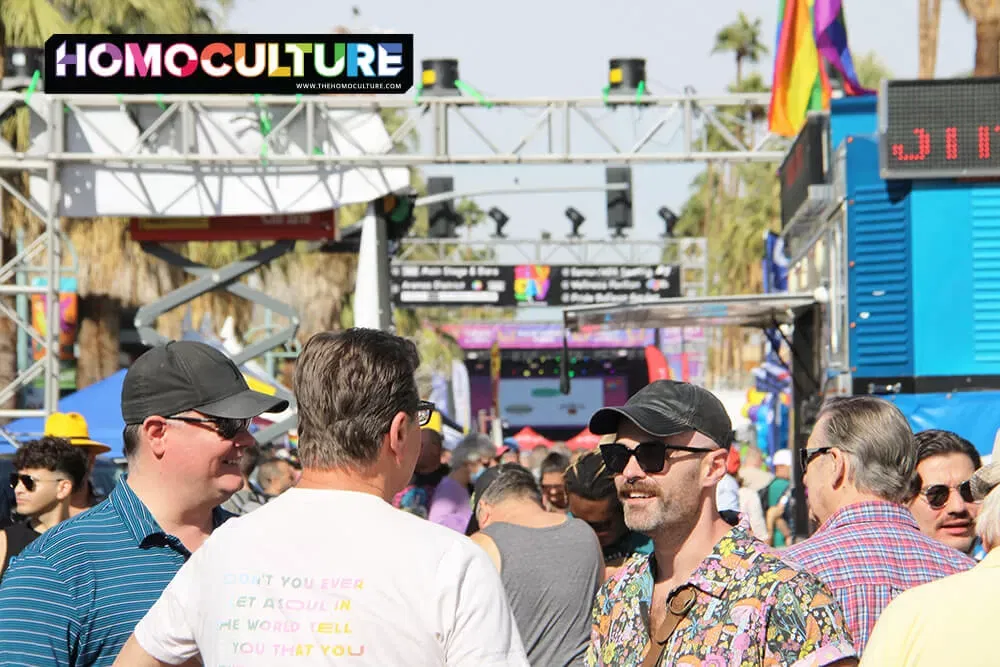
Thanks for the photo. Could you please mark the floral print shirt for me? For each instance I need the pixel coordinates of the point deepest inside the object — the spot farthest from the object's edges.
(751, 609)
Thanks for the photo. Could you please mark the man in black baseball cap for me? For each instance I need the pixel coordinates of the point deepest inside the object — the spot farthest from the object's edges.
(187, 375)
(668, 447)
(186, 408)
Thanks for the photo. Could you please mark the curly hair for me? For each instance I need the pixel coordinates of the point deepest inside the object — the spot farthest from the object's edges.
(54, 454)
(589, 478)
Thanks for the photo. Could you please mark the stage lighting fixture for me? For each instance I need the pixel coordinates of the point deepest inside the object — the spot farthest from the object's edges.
(576, 219)
(500, 219)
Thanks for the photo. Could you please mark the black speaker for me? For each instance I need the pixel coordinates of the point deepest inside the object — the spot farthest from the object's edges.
(620, 201)
(441, 216)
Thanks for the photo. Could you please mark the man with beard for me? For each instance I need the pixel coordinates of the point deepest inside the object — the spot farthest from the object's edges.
(710, 593)
(418, 495)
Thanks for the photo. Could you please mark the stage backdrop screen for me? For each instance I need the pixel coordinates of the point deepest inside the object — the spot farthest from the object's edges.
(539, 404)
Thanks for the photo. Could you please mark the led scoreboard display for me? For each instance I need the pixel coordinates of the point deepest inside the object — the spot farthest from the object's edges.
(943, 128)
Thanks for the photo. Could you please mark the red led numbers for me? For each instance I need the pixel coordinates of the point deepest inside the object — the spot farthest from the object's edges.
(984, 134)
(923, 148)
(951, 143)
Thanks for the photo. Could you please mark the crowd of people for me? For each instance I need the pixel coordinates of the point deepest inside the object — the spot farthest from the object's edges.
(375, 545)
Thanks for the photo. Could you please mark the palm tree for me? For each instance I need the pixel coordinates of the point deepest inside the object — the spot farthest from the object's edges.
(871, 70)
(986, 14)
(742, 39)
(929, 27)
(113, 271)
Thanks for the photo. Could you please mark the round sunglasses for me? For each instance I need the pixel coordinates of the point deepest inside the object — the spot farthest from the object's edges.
(937, 495)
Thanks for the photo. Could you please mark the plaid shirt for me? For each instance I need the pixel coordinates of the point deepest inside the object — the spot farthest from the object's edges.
(870, 552)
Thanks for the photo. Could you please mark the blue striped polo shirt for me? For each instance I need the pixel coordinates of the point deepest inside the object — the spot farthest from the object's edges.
(75, 594)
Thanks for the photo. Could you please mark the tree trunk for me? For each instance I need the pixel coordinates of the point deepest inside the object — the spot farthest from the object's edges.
(988, 48)
(930, 19)
(739, 70)
(100, 321)
(8, 355)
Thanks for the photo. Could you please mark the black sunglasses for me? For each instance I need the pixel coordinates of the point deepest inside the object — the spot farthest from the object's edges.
(425, 409)
(29, 482)
(651, 456)
(226, 427)
(937, 495)
(807, 455)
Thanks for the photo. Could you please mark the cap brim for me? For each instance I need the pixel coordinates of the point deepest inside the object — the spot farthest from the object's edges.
(87, 442)
(606, 420)
(244, 405)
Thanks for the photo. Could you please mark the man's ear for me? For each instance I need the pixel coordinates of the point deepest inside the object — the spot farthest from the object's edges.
(64, 489)
(153, 430)
(396, 437)
(841, 468)
(715, 466)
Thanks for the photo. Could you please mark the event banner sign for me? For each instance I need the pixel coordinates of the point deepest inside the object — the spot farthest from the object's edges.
(531, 285)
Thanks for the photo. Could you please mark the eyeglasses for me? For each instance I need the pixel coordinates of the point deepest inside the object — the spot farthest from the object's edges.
(651, 456)
(807, 455)
(29, 482)
(226, 427)
(937, 495)
(425, 409)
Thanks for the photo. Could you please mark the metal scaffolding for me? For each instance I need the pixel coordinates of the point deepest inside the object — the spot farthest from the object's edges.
(557, 132)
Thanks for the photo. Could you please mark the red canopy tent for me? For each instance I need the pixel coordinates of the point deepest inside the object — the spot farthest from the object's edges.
(529, 438)
(583, 440)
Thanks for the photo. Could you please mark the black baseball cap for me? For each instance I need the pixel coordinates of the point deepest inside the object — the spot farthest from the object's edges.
(667, 407)
(188, 375)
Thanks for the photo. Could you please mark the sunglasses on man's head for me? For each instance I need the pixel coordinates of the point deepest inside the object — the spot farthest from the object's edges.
(28, 481)
(937, 495)
(651, 456)
(226, 427)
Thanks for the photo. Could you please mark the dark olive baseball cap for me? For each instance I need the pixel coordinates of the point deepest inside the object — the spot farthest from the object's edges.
(667, 407)
(187, 375)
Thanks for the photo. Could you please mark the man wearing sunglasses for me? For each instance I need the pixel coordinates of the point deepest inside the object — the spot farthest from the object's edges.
(710, 592)
(859, 467)
(46, 472)
(330, 572)
(75, 594)
(945, 508)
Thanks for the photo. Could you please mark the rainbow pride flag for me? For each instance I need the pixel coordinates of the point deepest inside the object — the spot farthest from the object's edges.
(831, 41)
(810, 33)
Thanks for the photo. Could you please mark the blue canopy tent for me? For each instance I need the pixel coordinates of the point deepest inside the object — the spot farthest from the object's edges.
(100, 405)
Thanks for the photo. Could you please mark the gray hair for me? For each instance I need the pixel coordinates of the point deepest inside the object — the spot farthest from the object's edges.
(988, 521)
(877, 440)
(473, 447)
(513, 481)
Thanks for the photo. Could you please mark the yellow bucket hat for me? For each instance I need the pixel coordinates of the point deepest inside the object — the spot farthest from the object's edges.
(73, 427)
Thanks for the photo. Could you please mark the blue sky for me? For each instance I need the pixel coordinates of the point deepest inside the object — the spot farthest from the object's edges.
(560, 48)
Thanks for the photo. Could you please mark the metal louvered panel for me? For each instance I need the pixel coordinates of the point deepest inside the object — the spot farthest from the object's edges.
(881, 305)
(985, 207)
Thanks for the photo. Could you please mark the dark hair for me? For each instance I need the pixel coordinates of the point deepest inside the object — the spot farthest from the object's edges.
(933, 442)
(130, 439)
(55, 454)
(249, 459)
(513, 481)
(589, 478)
(554, 462)
(349, 387)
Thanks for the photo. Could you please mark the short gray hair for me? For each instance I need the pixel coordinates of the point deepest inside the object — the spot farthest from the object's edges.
(513, 481)
(877, 439)
(473, 447)
(988, 521)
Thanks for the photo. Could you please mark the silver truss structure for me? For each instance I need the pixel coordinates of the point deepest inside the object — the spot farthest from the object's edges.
(555, 132)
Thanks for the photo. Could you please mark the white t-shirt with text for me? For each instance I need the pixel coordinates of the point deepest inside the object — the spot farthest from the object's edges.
(321, 577)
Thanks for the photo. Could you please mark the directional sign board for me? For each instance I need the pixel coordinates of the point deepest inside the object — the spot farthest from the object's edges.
(531, 285)
(316, 226)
